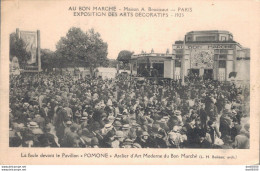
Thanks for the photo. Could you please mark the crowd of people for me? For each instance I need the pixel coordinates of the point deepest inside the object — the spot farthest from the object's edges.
(62, 110)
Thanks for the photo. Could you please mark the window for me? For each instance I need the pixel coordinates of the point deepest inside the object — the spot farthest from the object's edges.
(178, 56)
(216, 57)
(188, 39)
(222, 64)
(230, 52)
(216, 51)
(205, 38)
(177, 63)
(223, 38)
(223, 56)
(223, 51)
(179, 51)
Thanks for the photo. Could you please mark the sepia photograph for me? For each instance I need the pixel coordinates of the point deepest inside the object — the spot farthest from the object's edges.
(195, 95)
(117, 75)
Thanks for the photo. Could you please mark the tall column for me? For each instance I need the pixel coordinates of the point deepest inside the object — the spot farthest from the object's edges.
(173, 68)
(234, 59)
(117, 68)
(183, 63)
(201, 72)
(136, 64)
(215, 69)
(39, 50)
(131, 68)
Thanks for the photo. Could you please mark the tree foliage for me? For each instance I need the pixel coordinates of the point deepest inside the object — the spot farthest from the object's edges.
(125, 56)
(112, 63)
(78, 48)
(17, 48)
(48, 59)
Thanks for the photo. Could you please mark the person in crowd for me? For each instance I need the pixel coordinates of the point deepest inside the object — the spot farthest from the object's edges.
(60, 110)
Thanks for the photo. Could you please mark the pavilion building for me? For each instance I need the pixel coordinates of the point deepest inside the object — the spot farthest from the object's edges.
(211, 54)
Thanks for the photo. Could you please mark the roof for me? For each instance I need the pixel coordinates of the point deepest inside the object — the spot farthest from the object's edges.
(209, 32)
(151, 55)
(194, 42)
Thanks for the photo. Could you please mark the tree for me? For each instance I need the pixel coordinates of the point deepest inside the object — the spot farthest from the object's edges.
(125, 56)
(113, 63)
(17, 48)
(48, 59)
(97, 51)
(78, 48)
(72, 47)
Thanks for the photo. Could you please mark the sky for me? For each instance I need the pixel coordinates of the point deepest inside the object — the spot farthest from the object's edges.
(53, 19)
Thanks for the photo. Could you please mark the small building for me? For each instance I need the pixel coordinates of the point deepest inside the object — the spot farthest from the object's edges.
(153, 64)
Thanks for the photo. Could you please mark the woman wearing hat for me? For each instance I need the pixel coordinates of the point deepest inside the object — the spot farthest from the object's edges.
(145, 140)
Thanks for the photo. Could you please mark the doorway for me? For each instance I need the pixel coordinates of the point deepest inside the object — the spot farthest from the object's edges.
(160, 69)
(208, 74)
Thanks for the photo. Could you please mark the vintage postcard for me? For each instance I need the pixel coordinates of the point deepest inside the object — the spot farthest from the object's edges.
(129, 82)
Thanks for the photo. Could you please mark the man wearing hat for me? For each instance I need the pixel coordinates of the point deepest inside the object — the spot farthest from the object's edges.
(77, 116)
(119, 138)
(203, 142)
(203, 115)
(67, 127)
(117, 125)
(128, 143)
(106, 129)
(111, 119)
(32, 125)
(160, 139)
(106, 142)
(52, 139)
(175, 139)
(61, 120)
(44, 112)
(235, 129)
(96, 130)
(225, 125)
(86, 136)
(28, 139)
(227, 143)
(125, 129)
(242, 140)
(84, 121)
(39, 120)
(14, 139)
(37, 132)
(70, 137)
(43, 141)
